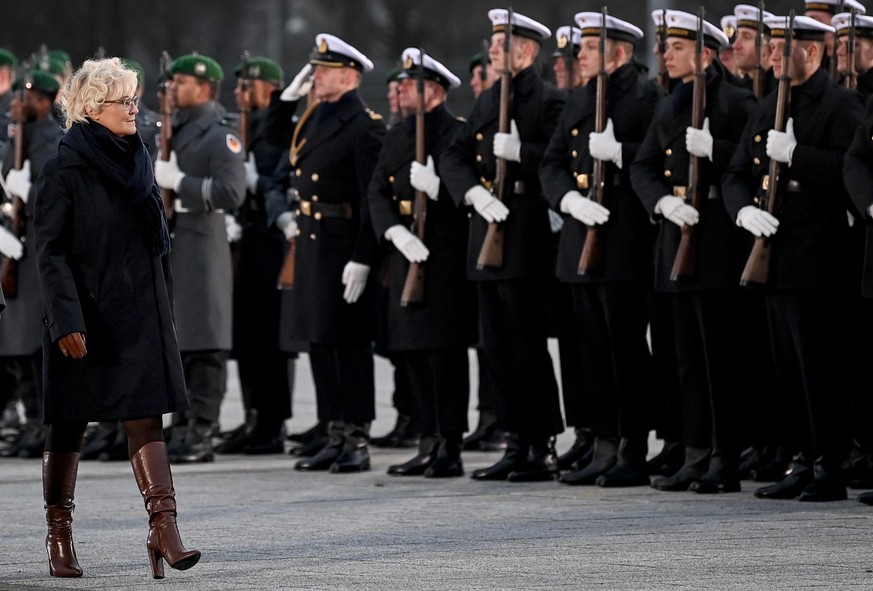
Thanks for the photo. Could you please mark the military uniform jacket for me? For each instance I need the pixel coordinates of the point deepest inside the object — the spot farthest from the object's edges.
(625, 239)
(813, 228)
(211, 157)
(661, 168)
(444, 318)
(338, 148)
(470, 160)
(21, 329)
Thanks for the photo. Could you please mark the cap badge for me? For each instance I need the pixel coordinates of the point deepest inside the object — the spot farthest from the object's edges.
(200, 68)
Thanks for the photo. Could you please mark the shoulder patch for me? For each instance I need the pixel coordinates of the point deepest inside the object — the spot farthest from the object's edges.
(233, 143)
(373, 115)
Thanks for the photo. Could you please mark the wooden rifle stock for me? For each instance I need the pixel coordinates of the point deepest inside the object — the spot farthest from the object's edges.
(685, 263)
(591, 259)
(757, 269)
(10, 267)
(168, 196)
(413, 287)
(286, 275)
(491, 253)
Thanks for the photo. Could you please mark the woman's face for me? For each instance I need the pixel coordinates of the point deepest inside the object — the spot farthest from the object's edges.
(119, 115)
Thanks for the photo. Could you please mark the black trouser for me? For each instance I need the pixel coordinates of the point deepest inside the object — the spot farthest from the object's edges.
(573, 386)
(667, 399)
(344, 382)
(611, 319)
(21, 379)
(807, 330)
(266, 386)
(402, 397)
(485, 392)
(704, 325)
(440, 381)
(514, 339)
(206, 381)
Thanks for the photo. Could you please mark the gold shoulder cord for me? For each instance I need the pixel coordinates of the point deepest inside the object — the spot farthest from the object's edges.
(295, 145)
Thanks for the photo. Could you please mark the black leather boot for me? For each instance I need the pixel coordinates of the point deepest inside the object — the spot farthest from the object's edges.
(448, 460)
(541, 465)
(233, 441)
(826, 484)
(721, 477)
(582, 446)
(668, 461)
(486, 428)
(630, 468)
(355, 457)
(428, 446)
(198, 444)
(329, 452)
(694, 467)
(400, 436)
(319, 429)
(514, 458)
(310, 449)
(98, 439)
(774, 466)
(603, 460)
(799, 476)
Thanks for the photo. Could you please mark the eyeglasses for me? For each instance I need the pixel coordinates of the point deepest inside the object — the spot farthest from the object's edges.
(128, 102)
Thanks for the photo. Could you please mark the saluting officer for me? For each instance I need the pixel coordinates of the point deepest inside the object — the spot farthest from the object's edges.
(21, 331)
(206, 172)
(334, 149)
(806, 292)
(611, 301)
(432, 335)
(512, 298)
(702, 300)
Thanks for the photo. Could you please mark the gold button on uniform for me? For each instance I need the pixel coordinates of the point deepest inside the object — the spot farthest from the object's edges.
(479, 137)
(314, 177)
(298, 172)
(574, 132)
(756, 200)
(312, 236)
(575, 153)
(668, 173)
(757, 139)
(756, 160)
(478, 157)
(668, 152)
(315, 198)
(317, 215)
(391, 179)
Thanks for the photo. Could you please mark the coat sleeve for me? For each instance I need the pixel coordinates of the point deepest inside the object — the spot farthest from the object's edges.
(382, 213)
(225, 185)
(53, 229)
(455, 166)
(366, 156)
(647, 169)
(555, 177)
(532, 150)
(858, 169)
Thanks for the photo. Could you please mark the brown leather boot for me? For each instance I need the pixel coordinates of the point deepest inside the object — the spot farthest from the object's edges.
(152, 471)
(58, 488)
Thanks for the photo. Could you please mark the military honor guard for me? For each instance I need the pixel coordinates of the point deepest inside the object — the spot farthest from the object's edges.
(565, 58)
(752, 57)
(862, 76)
(207, 174)
(8, 64)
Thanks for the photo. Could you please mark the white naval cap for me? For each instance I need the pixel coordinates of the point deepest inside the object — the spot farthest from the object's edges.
(521, 25)
(684, 25)
(591, 23)
(567, 35)
(747, 16)
(433, 70)
(863, 24)
(835, 6)
(333, 52)
(805, 28)
(729, 26)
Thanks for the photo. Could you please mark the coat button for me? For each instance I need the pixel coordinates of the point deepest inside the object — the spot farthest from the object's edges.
(315, 198)
(317, 215)
(755, 200)
(298, 172)
(314, 177)
(312, 236)
(574, 132)
(478, 157)
(574, 153)
(758, 139)
(391, 179)
(757, 160)
(668, 152)
(479, 137)
(668, 173)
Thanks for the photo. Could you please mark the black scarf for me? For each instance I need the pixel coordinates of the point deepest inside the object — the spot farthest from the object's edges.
(124, 163)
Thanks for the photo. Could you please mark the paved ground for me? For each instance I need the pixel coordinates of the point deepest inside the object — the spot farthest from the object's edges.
(261, 525)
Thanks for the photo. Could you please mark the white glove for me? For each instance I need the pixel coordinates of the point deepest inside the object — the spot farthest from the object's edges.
(355, 280)
(232, 228)
(781, 144)
(299, 87)
(287, 224)
(508, 145)
(677, 211)
(167, 173)
(587, 211)
(423, 177)
(251, 173)
(487, 205)
(18, 181)
(10, 246)
(556, 222)
(407, 243)
(604, 146)
(698, 142)
(757, 221)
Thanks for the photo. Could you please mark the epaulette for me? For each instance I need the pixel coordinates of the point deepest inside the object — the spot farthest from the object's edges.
(373, 115)
(464, 119)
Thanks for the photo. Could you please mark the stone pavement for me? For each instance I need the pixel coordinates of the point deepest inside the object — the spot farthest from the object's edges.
(261, 525)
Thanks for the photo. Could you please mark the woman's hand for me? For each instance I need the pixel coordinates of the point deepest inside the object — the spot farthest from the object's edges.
(73, 345)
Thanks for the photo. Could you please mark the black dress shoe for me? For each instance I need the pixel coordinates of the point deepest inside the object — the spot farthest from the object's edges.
(866, 498)
(668, 461)
(604, 458)
(486, 428)
(198, 445)
(400, 436)
(790, 487)
(541, 465)
(707, 486)
(721, 477)
(514, 458)
(822, 491)
(494, 442)
(694, 468)
(320, 461)
(309, 449)
(445, 467)
(624, 474)
(774, 466)
(262, 444)
(427, 453)
(352, 459)
(582, 445)
(319, 429)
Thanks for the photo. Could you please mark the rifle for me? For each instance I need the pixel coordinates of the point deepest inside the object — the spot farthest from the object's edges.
(590, 261)
(245, 108)
(759, 75)
(851, 80)
(413, 287)
(491, 254)
(9, 268)
(569, 57)
(757, 270)
(833, 71)
(661, 33)
(168, 196)
(685, 264)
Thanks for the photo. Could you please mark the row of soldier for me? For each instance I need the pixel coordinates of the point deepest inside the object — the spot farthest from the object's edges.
(738, 382)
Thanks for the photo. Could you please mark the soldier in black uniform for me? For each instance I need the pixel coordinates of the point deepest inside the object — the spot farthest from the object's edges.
(806, 293)
(863, 49)
(334, 150)
(744, 46)
(206, 172)
(512, 298)
(702, 303)
(21, 331)
(611, 301)
(568, 40)
(432, 335)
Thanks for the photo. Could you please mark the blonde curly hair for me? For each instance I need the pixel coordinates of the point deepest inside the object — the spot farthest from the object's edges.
(94, 83)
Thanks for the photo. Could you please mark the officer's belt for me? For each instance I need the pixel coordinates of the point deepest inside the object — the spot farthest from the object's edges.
(326, 210)
(791, 186)
(518, 187)
(178, 208)
(585, 181)
(714, 192)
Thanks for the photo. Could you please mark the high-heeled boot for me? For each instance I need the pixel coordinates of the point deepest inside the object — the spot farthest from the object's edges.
(151, 468)
(58, 488)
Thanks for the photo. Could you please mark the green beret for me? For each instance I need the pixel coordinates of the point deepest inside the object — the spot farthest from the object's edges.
(7, 58)
(261, 68)
(197, 65)
(60, 55)
(477, 60)
(136, 67)
(46, 63)
(40, 82)
(393, 75)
